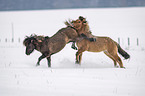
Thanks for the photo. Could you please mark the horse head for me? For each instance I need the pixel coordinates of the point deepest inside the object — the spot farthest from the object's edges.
(81, 24)
(30, 43)
(77, 24)
(34, 42)
(83, 20)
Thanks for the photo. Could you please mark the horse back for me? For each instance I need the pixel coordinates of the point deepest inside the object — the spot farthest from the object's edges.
(71, 33)
(101, 44)
(58, 41)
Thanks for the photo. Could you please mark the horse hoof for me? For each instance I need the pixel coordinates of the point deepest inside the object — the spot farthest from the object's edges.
(116, 66)
(37, 64)
(75, 48)
(123, 67)
(77, 62)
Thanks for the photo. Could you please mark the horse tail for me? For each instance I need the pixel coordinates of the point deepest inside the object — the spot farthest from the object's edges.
(122, 52)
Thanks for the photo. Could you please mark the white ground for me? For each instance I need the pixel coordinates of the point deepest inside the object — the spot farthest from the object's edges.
(95, 77)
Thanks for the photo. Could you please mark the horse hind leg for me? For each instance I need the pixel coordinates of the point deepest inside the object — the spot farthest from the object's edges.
(118, 59)
(73, 46)
(120, 62)
(115, 63)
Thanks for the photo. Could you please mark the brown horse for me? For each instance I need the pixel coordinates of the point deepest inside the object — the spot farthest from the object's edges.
(48, 46)
(105, 44)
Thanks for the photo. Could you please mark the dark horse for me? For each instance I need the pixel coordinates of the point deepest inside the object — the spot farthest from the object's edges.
(50, 45)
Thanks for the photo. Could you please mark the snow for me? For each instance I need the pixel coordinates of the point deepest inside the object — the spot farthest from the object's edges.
(96, 76)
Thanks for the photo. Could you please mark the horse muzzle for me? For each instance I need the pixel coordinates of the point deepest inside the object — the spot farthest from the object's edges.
(28, 53)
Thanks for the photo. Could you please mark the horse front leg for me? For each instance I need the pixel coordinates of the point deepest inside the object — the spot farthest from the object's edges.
(79, 56)
(49, 61)
(39, 59)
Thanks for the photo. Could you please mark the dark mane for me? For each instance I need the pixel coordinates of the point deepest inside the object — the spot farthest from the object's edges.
(28, 39)
(35, 37)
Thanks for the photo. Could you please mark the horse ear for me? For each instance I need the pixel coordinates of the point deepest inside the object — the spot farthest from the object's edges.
(72, 21)
(32, 41)
(39, 41)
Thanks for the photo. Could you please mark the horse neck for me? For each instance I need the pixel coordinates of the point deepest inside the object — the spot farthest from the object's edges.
(86, 28)
(39, 45)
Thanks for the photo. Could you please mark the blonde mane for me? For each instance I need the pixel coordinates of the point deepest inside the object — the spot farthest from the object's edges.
(86, 27)
(68, 23)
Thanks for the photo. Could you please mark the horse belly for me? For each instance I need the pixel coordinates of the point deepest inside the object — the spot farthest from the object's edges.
(96, 47)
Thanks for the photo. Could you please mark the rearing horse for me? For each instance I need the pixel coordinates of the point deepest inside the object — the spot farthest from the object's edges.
(105, 44)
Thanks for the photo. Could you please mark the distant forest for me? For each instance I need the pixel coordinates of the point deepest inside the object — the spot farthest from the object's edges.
(7, 5)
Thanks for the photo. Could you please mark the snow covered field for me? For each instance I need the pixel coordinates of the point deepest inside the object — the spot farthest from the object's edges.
(95, 77)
